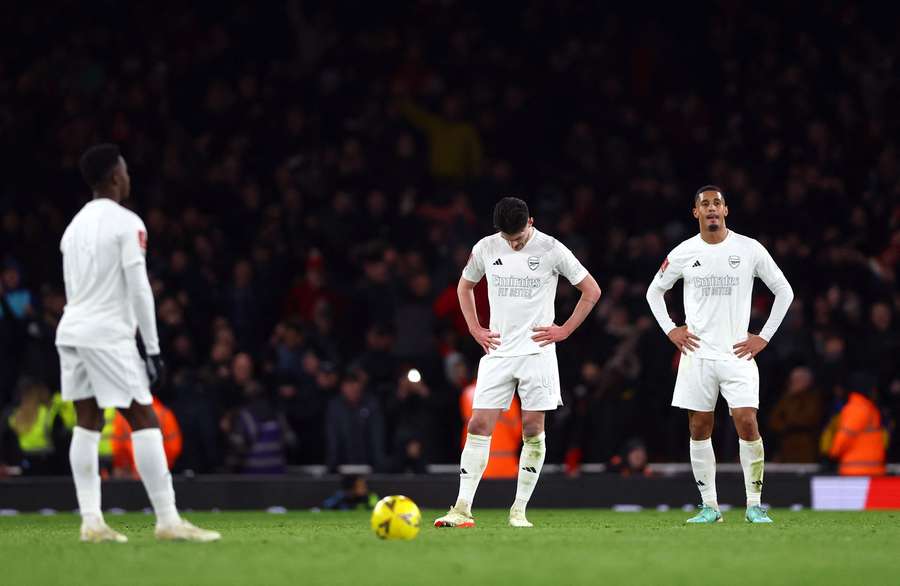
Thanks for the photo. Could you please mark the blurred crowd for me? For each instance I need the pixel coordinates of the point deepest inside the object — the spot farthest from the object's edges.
(313, 176)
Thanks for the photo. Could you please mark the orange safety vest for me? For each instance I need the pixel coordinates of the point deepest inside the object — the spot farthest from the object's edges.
(506, 441)
(859, 440)
(122, 450)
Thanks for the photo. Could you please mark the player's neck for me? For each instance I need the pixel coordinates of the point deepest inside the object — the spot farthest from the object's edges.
(98, 195)
(714, 237)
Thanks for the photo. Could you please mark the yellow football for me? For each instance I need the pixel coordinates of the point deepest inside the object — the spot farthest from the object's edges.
(396, 517)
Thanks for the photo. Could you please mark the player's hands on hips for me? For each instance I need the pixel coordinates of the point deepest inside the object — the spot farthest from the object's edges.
(684, 340)
(750, 347)
(549, 334)
(156, 370)
(487, 339)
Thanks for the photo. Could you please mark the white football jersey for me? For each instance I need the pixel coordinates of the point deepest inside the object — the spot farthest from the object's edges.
(522, 287)
(718, 290)
(100, 242)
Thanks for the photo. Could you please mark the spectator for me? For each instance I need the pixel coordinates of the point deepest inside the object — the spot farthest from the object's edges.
(288, 341)
(377, 360)
(414, 322)
(12, 340)
(240, 382)
(375, 294)
(257, 435)
(409, 416)
(633, 460)
(243, 306)
(40, 359)
(33, 435)
(797, 419)
(354, 426)
(882, 344)
(454, 145)
(859, 442)
(18, 298)
(354, 494)
(123, 451)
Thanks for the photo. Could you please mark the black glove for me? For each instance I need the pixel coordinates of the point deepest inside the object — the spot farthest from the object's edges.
(156, 371)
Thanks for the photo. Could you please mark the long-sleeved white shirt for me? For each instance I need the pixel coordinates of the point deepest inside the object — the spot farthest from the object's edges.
(108, 293)
(718, 291)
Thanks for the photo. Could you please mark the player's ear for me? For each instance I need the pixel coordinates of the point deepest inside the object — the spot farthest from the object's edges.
(725, 211)
(695, 212)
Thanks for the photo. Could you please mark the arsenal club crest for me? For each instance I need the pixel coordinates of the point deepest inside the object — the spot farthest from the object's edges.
(734, 261)
(534, 262)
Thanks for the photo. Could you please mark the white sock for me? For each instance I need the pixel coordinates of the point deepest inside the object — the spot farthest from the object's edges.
(753, 462)
(530, 463)
(472, 463)
(150, 460)
(703, 463)
(85, 461)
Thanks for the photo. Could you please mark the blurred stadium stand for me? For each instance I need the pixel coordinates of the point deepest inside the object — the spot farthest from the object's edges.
(313, 176)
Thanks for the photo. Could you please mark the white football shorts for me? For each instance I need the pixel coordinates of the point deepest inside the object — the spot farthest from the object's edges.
(534, 376)
(700, 380)
(113, 376)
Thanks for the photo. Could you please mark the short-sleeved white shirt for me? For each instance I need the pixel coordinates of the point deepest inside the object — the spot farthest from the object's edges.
(718, 289)
(100, 242)
(522, 287)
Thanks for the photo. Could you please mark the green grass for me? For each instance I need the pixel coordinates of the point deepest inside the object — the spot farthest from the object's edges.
(566, 547)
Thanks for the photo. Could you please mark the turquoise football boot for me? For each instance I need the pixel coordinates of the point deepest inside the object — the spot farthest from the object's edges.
(757, 514)
(706, 515)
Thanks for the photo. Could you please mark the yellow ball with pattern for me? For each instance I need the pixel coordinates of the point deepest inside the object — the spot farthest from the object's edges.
(396, 517)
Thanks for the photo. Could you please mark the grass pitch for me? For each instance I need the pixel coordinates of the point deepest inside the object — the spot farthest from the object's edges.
(566, 547)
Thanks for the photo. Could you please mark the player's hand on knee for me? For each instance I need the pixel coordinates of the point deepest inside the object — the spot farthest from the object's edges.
(750, 347)
(487, 339)
(549, 334)
(684, 340)
(156, 370)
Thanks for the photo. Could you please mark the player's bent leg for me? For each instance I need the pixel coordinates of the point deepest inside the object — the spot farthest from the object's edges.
(703, 464)
(752, 456)
(152, 467)
(531, 461)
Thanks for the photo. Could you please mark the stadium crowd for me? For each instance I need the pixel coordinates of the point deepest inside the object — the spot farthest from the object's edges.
(313, 176)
